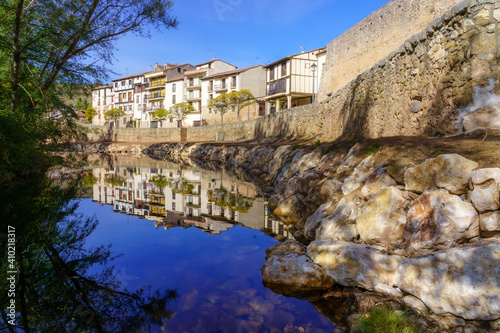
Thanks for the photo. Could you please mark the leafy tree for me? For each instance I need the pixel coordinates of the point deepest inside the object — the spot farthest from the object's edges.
(180, 111)
(90, 113)
(114, 179)
(160, 115)
(239, 99)
(48, 42)
(160, 181)
(114, 114)
(81, 104)
(221, 104)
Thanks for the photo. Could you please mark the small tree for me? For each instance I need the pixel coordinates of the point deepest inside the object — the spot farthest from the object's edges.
(220, 104)
(240, 99)
(160, 115)
(179, 111)
(114, 114)
(90, 113)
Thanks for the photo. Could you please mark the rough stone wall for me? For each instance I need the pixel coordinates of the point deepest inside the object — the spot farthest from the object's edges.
(369, 41)
(117, 134)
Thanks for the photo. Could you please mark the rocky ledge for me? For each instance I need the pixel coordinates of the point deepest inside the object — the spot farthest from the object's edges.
(426, 232)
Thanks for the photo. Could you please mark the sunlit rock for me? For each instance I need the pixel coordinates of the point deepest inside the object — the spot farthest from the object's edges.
(339, 225)
(314, 221)
(288, 246)
(275, 200)
(387, 290)
(397, 168)
(438, 220)
(490, 221)
(325, 191)
(486, 183)
(350, 159)
(294, 272)
(449, 171)
(358, 177)
(377, 180)
(291, 210)
(486, 117)
(414, 303)
(381, 221)
(352, 264)
(463, 282)
(485, 196)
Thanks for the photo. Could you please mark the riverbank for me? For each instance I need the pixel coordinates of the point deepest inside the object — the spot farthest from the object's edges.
(380, 215)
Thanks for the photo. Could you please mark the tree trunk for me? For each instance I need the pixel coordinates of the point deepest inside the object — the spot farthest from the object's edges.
(16, 58)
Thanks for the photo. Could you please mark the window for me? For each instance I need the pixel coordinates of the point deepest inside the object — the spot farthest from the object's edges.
(116, 84)
(173, 87)
(130, 82)
(123, 83)
(233, 83)
(271, 74)
(130, 96)
(191, 82)
(211, 85)
(223, 83)
(173, 196)
(137, 99)
(173, 205)
(173, 99)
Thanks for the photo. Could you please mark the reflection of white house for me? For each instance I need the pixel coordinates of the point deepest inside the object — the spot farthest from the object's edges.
(291, 81)
(251, 78)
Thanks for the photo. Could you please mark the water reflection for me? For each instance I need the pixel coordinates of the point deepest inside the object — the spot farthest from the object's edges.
(181, 196)
(57, 285)
(203, 268)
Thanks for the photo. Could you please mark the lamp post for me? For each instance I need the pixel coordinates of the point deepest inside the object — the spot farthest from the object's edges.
(313, 69)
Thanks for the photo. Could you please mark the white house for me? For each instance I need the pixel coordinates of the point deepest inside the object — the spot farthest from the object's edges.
(102, 101)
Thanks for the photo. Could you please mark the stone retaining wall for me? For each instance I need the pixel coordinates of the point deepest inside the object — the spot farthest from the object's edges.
(369, 41)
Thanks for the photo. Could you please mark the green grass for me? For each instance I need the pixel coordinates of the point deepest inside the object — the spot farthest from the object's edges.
(372, 148)
(385, 320)
(317, 143)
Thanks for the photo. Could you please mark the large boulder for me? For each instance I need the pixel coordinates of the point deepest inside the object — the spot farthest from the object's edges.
(486, 117)
(355, 265)
(438, 220)
(485, 196)
(358, 176)
(490, 222)
(339, 225)
(314, 221)
(294, 272)
(291, 210)
(463, 282)
(377, 180)
(382, 220)
(449, 171)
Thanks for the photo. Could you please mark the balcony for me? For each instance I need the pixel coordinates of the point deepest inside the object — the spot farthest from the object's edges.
(220, 87)
(193, 98)
(156, 95)
(278, 87)
(193, 85)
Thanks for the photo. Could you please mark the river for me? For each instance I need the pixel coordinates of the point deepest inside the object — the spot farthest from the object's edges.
(138, 245)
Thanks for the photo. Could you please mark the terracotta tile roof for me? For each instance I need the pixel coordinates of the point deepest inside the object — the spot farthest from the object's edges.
(234, 71)
(103, 87)
(195, 71)
(134, 75)
(291, 56)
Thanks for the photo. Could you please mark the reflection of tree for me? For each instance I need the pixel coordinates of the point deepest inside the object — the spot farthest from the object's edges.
(89, 179)
(160, 181)
(181, 186)
(55, 291)
(114, 179)
(232, 201)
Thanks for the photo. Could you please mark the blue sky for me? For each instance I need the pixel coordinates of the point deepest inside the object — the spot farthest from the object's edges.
(241, 32)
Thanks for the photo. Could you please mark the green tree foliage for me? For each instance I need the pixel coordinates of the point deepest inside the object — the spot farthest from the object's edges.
(160, 114)
(114, 114)
(180, 111)
(47, 42)
(221, 105)
(239, 99)
(90, 113)
(81, 104)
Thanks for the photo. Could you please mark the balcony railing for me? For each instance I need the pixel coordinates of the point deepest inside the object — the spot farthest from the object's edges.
(193, 85)
(220, 87)
(156, 95)
(193, 98)
(278, 87)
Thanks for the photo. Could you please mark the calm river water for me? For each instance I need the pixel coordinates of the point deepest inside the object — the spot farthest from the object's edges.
(138, 245)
